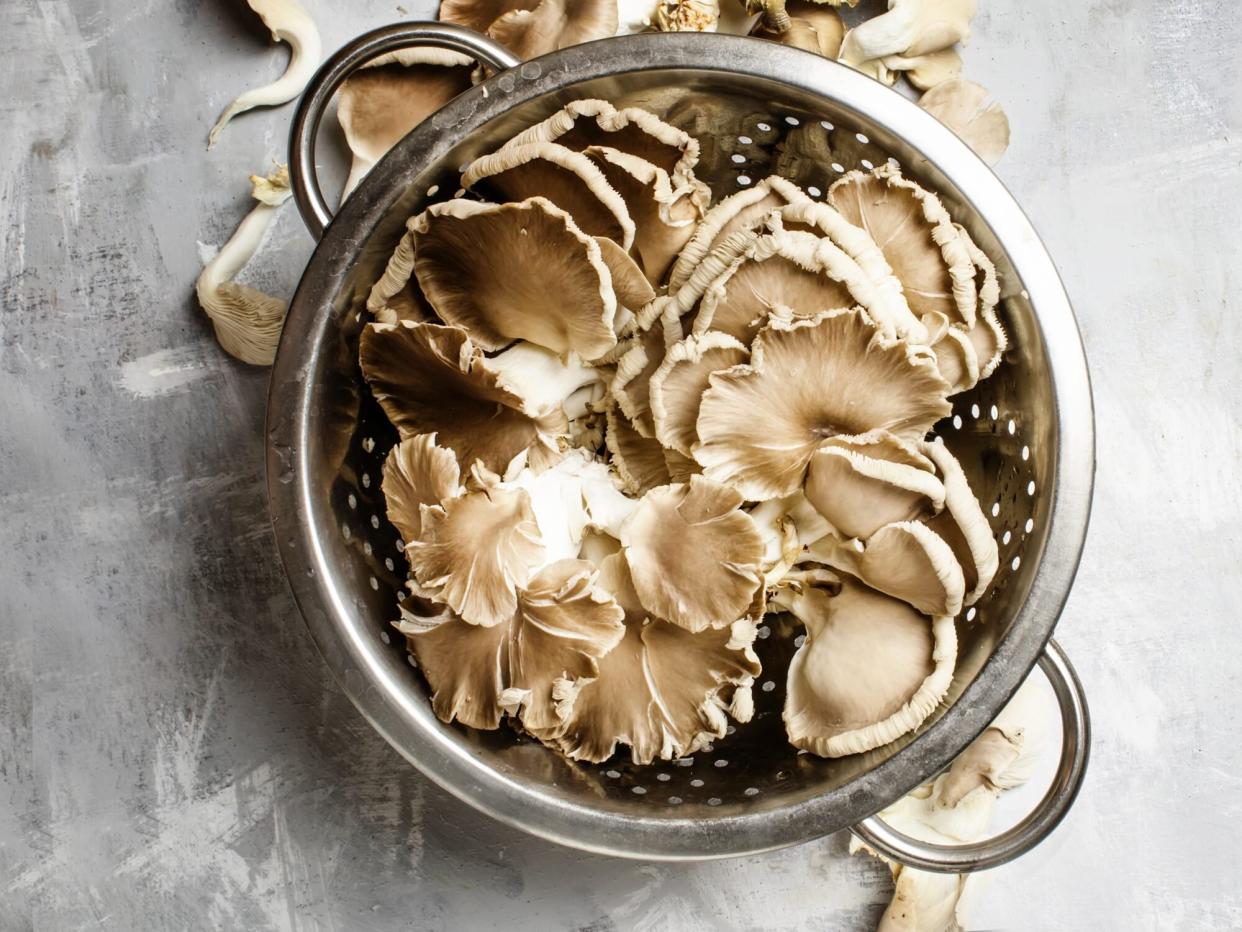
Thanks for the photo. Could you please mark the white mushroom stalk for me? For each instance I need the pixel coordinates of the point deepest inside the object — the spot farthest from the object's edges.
(247, 321)
(288, 22)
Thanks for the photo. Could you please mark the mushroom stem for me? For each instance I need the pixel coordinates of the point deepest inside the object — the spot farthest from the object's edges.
(542, 378)
(247, 321)
(289, 22)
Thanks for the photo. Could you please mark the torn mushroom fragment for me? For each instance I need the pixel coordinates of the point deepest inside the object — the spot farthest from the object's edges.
(966, 108)
(379, 104)
(871, 669)
(693, 554)
(430, 378)
(541, 279)
(570, 180)
(531, 662)
(859, 484)
(807, 380)
(662, 691)
(288, 22)
(247, 322)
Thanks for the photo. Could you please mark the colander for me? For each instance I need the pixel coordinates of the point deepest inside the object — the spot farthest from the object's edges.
(1025, 437)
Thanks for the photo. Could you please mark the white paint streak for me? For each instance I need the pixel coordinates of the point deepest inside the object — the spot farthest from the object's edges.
(166, 371)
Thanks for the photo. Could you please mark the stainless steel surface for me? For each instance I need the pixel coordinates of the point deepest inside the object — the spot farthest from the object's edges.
(314, 102)
(1038, 824)
(175, 754)
(1024, 437)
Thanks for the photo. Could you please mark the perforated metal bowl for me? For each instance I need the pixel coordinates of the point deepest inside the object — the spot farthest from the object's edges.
(1024, 437)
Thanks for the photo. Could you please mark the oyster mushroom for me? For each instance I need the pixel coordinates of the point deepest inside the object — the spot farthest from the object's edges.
(639, 460)
(860, 484)
(664, 219)
(693, 554)
(813, 27)
(546, 381)
(640, 357)
(871, 669)
(554, 24)
(519, 271)
(917, 237)
(963, 525)
(530, 662)
(807, 380)
(480, 14)
(987, 336)
(927, 71)
(288, 22)
(687, 15)
(910, 28)
(630, 285)
(966, 108)
(418, 473)
(587, 123)
(905, 560)
(382, 102)
(569, 179)
(675, 389)
(662, 690)
(430, 378)
(247, 322)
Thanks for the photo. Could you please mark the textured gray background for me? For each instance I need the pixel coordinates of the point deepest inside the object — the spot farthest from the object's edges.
(173, 754)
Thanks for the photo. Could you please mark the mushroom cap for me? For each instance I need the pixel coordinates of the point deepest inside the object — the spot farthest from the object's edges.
(630, 285)
(583, 124)
(676, 388)
(813, 27)
(418, 473)
(986, 335)
(871, 670)
(737, 213)
(570, 180)
(395, 296)
(967, 108)
(662, 690)
(807, 380)
(957, 359)
(916, 235)
(532, 662)
(431, 379)
(479, 14)
(631, 384)
(963, 524)
(554, 24)
(860, 484)
(906, 560)
(490, 269)
(664, 219)
(693, 554)
(926, 71)
(910, 28)
(475, 551)
(687, 15)
(383, 101)
(639, 460)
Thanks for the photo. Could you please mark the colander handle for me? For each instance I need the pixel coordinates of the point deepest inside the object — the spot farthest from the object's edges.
(960, 859)
(303, 178)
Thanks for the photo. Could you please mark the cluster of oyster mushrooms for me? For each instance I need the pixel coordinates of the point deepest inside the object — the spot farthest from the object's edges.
(632, 422)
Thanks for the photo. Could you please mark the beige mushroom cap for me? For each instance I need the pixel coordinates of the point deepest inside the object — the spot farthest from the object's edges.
(675, 389)
(662, 690)
(860, 484)
(479, 14)
(808, 380)
(631, 385)
(963, 524)
(432, 379)
(966, 108)
(639, 460)
(813, 27)
(906, 560)
(583, 124)
(693, 554)
(918, 239)
(871, 669)
(382, 102)
(569, 179)
(475, 551)
(532, 662)
(554, 24)
(519, 271)
(631, 286)
(418, 473)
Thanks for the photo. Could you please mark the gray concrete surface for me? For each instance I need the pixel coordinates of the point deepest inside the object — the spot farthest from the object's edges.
(173, 753)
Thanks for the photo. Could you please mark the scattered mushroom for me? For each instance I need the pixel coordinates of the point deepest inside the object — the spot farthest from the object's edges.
(910, 28)
(967, 109)
(288, 22)
(630, 423)
(247, 321)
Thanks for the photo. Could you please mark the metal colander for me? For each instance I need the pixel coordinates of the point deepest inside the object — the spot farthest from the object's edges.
(1024, 437)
